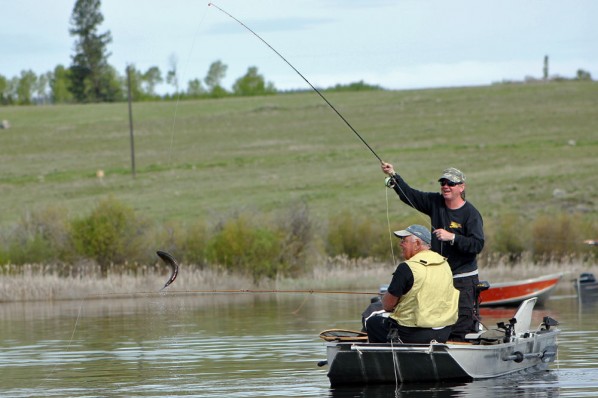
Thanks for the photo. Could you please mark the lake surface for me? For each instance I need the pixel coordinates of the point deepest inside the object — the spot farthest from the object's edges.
(239, 345)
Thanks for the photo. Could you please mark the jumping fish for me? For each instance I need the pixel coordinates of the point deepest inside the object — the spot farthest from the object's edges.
(168, 259)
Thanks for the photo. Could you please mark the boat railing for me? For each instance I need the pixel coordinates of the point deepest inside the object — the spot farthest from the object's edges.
(400, 347)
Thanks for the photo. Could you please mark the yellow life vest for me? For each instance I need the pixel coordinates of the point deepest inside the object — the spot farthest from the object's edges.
(433, 301)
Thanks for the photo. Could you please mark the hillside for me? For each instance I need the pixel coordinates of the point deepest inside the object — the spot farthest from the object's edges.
(525, 149)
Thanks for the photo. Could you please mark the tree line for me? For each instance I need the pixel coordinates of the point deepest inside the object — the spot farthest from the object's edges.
(90, 78)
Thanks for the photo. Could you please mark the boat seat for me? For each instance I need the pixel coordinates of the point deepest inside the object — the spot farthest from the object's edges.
(474, 336)
(486, 337)
(524, 316)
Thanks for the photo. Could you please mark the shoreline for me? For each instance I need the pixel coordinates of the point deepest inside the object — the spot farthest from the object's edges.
(337, 274)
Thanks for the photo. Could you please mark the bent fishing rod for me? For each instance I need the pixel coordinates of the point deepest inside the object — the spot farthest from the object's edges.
(238, 291)
(392, 177)
(303, 77)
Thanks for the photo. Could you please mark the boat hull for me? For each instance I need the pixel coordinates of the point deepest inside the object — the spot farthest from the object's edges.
(514, 293)
(364, 363)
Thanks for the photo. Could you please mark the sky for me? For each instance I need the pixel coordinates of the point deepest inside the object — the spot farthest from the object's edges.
(397, 44)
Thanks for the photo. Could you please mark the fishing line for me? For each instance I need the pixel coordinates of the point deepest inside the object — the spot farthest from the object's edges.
(68, 346)
(296, 311)
(168, 260)
(303, 77)
(244, 291)
(325, 100)
(390, 234)
(311, 85)
(396, 369)
(178, 100)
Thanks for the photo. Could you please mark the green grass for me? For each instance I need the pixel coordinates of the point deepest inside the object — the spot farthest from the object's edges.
(206, 158)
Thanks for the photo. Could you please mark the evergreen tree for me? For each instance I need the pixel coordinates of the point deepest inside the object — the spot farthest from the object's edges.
(92, 79)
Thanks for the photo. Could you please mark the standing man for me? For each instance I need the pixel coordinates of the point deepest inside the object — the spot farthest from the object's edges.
(421, 303)
(457, 234)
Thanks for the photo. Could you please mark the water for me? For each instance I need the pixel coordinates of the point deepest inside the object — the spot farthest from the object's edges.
(238, 345)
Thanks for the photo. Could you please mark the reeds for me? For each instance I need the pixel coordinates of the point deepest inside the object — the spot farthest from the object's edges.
(38, 282)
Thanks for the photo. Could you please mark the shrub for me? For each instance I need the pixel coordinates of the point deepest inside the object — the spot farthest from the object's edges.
(168, 237)
(4, 256)
(186, 242)
(239, 246)
(354, 236)
(41, 236)
(194, 244)
(297, 230)
(111, 234)
(508, 237)
(556, 236)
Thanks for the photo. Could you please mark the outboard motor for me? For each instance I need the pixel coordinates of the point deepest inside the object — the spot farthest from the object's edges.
(375, 305)
(587, 277)
(548, 322)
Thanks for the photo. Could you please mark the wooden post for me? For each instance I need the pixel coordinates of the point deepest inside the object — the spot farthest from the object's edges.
(131, 120)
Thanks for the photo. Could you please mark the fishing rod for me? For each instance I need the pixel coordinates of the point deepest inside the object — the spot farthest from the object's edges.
(233, 291)
(242, 291)
(392, 177)
(303, 77)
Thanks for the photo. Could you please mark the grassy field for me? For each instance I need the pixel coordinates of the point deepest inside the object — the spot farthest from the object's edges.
(527, 149)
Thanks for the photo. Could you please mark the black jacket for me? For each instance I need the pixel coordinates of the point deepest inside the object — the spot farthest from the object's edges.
(466, 223)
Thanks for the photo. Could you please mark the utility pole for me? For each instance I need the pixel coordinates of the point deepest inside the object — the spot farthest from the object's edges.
(131, 120)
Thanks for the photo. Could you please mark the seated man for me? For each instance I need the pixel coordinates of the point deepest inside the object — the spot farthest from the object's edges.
(421, 303)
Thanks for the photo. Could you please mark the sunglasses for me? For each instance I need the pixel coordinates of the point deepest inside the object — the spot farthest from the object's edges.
(449, 183)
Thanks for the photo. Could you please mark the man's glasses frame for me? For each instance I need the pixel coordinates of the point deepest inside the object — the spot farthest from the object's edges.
(449, 183)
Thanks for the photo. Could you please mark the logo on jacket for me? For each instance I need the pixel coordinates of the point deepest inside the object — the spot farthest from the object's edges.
(454, 225)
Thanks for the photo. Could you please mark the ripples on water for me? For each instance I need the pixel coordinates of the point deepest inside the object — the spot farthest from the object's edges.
(240, 346)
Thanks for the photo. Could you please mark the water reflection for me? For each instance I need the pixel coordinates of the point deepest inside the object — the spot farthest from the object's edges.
(542, 385)
(237, 346)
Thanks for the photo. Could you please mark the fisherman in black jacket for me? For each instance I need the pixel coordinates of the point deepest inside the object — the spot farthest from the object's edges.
(457, 232)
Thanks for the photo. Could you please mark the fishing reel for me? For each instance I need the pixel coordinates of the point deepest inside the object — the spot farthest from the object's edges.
(389, 182)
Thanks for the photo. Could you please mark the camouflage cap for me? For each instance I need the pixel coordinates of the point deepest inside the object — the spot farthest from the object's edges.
(416, 230)
(453, 174)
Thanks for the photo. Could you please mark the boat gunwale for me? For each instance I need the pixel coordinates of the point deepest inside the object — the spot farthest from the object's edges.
(558, 276)
(390, 347)
(518, 299)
